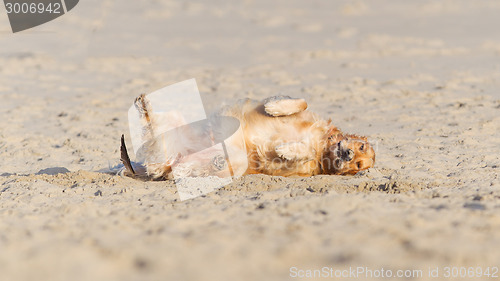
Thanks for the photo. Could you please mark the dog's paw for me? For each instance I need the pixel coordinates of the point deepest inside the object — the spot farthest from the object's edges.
(284, 106)
(293, 151)
(219, 162)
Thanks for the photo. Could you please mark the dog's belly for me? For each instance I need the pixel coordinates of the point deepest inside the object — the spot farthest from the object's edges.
(281, 146)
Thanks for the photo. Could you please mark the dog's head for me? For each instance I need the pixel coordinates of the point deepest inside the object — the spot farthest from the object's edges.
(348, 154)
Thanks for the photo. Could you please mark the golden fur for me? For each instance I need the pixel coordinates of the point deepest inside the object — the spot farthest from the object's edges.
(281, 138)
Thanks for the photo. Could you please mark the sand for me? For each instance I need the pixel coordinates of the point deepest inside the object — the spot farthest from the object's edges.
(420, 78)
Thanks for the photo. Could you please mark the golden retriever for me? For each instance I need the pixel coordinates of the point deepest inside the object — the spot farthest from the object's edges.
(278, 136)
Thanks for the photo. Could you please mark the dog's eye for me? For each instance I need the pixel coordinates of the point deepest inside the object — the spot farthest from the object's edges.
(362, 147)
(358, 164)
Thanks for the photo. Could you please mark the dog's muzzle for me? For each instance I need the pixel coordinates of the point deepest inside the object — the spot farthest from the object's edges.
(347, 155)
(344, 153)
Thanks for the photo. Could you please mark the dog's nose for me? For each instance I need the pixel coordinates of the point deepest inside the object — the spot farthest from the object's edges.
(350, 154)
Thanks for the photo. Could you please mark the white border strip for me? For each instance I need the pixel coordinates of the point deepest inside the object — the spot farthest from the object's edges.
(64, 6)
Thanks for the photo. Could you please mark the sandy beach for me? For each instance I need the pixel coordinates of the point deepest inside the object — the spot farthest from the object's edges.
(421, 79)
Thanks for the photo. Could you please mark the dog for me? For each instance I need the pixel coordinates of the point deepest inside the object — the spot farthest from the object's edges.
(277, 136)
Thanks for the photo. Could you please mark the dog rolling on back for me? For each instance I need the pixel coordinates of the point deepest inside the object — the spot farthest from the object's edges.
(281, 138)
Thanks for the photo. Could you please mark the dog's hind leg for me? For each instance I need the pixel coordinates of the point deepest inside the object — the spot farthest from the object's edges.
(284, 105)
(145, 111)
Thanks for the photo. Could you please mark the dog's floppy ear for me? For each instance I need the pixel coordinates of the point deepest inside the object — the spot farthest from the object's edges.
(332, 132)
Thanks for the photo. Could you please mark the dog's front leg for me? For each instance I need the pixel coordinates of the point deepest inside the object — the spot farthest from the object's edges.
(283, 106)
(295, 151)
